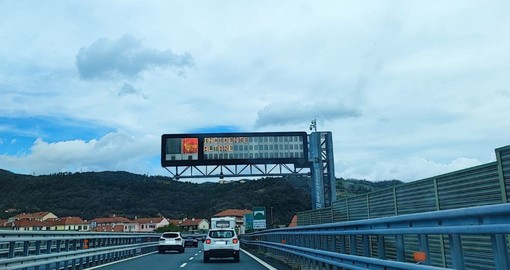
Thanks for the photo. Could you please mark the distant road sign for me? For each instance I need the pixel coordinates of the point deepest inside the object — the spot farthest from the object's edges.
(259, 217)
(248, 221)
(234, 148)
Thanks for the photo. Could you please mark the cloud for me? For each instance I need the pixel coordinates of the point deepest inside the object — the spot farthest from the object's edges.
(114, 151)
(128, 89)
(107, 59)
(407, 169)
(284, 113)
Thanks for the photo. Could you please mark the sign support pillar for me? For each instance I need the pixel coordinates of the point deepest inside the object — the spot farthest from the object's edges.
(322, 169)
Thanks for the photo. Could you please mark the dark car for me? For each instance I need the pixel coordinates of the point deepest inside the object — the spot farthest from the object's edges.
(200, 237)
(190, 241)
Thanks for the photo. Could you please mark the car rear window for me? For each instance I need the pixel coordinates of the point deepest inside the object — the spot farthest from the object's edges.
(170, 235)
(221, 234)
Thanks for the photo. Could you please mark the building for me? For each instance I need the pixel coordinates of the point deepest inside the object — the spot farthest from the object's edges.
(151, 224)
(237, 213)
(25, 225)
(113, 222)
(293, 222)
(109, 228)
(67, 224)
(175, 222)
(39, 216)
(195, 224)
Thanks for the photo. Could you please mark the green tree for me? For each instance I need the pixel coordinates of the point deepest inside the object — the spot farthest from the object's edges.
(168, 228)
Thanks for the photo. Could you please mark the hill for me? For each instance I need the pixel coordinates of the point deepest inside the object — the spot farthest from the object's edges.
(98, 194)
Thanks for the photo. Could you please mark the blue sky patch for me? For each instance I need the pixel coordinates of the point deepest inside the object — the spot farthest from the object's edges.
(216, 129)
(17, 135)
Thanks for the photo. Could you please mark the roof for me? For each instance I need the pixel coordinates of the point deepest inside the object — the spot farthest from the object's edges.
(2, 222)
(26, 223)
(68, 221)
(32, 215)
(112, 220)
(174, 221)
(232, 213)
(293, 222)
(148, 220)
(191, 222)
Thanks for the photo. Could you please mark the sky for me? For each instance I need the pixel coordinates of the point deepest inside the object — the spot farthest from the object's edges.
(409, 89)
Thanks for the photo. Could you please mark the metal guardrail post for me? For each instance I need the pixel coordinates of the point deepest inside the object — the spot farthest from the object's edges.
(423, 242)
(353, 245)
(456, 251)
(11, 250)
(366, 246)
(400, 248)
(381, 249)
(500, 251)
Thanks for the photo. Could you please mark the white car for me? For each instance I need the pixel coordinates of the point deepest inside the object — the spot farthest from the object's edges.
(171, 241)
(221, 243)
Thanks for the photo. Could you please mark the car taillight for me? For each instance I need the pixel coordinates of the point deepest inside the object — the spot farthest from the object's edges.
(207, 241)
(235, 240)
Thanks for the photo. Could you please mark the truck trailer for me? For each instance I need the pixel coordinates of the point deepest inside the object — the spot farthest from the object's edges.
(223, 223)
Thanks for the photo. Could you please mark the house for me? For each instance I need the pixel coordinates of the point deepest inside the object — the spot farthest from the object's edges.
(151, 224)
(293, 222)
(237, 213)
(25, 225)
(109, 228)
(195, 224)
(175, 222)
(39, 216)
(128, 224)
(67, 224)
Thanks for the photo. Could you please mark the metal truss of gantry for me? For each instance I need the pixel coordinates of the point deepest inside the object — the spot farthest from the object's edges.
(222, 171)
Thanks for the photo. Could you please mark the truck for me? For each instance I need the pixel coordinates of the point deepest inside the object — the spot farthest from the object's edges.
(223, 223)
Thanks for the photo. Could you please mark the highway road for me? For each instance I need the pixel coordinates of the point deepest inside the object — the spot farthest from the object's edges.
(191, 259)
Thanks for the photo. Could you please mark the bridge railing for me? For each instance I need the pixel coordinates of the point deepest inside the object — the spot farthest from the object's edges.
(458, 239)
(46, 250)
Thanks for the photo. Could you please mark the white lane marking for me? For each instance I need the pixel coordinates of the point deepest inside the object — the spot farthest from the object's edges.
(184, 264)
(259, 260)
(196, 254)
(191, 258)
(136, 257)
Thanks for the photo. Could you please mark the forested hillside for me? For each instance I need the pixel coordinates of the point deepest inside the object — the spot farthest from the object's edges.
(98, 194)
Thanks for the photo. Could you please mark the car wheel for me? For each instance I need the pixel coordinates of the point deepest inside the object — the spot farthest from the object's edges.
(236, 258)
(161, 251)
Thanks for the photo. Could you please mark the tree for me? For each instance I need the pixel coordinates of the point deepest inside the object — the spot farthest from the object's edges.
(168, 228)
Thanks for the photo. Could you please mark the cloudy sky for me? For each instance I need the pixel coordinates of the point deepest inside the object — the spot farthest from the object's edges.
(410, 89)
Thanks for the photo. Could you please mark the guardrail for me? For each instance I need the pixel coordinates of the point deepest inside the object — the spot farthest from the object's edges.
(45, 250)
(457, 239)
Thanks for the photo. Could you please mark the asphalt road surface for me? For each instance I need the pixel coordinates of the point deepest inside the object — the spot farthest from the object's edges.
(191, 259)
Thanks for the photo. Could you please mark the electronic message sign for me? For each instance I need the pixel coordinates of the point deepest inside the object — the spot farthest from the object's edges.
(234, 148)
